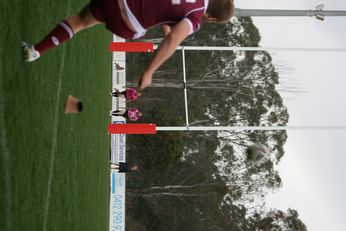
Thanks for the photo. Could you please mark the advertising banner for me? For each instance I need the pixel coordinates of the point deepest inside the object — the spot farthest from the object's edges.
(117, 202)
(118, 145)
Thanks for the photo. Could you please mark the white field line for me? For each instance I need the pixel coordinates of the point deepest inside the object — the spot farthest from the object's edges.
(53, 151)
(54, 136)
(5, 160)
(54, 141)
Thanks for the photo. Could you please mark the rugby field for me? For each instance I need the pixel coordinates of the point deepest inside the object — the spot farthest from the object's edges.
(53, 167)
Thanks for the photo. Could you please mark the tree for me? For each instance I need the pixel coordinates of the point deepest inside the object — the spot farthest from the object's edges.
(201, 180)
(279, 220)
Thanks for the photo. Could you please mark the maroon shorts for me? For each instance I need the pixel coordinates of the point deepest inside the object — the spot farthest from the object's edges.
(108, 11)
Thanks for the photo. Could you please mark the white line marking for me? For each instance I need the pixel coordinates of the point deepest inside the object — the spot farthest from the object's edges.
(54, 136)
(54, 143)
(52, 153)
(6, 160)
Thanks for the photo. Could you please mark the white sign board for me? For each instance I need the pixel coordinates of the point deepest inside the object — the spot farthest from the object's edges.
(117, 202)
(118, 145)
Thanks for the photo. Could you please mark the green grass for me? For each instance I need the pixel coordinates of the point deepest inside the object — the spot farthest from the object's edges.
(38, 141)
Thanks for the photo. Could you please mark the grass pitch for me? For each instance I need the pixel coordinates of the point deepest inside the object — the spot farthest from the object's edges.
(53, 167)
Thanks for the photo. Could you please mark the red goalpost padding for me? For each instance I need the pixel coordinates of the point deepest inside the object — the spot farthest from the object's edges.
(132, 46)
(132, 129)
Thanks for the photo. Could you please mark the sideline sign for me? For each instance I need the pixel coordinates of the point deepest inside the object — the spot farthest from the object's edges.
(117, 202)
(118, 145)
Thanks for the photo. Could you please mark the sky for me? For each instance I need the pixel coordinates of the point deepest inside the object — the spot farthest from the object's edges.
(312, 168)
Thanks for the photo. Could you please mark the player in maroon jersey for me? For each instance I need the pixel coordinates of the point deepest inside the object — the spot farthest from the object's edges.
(130, 19)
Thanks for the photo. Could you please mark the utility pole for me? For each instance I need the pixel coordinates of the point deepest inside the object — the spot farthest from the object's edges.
(318, 12)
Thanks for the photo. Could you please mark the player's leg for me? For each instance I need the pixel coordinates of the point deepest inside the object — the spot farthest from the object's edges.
(82, 20)
(114, 166)
(121, 94)
(115, 94)
(116, 113)
(64, 31)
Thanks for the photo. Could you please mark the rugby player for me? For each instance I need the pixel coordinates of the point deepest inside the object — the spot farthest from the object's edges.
(130, 19)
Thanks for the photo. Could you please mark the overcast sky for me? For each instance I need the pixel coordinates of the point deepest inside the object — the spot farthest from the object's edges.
(313, 168)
